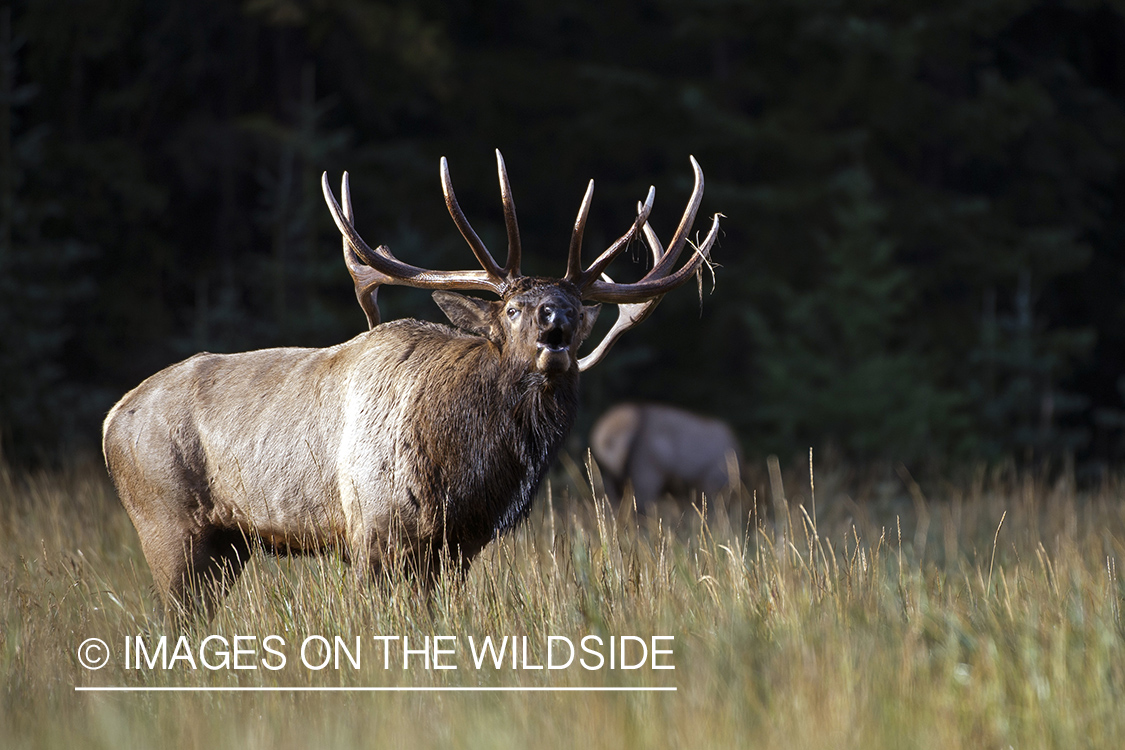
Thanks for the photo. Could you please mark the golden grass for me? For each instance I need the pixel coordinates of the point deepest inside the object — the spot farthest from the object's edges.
(988, 616)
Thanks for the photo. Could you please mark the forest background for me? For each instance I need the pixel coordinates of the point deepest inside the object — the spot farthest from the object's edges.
(923, 254)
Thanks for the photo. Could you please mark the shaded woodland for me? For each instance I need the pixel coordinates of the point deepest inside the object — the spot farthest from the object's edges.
(923, 255)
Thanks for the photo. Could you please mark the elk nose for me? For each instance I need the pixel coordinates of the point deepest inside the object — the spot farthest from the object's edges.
(552, 316)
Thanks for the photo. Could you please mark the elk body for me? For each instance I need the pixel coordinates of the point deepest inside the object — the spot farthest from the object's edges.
(410, 441)
(656, 448)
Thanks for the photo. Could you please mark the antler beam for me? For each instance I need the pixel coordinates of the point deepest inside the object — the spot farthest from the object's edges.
(371, 268)
(404, 274)
(636, 301)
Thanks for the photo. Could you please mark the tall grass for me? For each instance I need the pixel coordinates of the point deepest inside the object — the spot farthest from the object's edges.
(985, 615)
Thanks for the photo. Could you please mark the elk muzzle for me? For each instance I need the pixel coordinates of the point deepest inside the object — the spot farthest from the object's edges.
(557, 325)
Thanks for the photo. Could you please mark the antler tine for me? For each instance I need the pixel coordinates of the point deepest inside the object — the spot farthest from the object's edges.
(679, 239)
(658, 280)
(595, 270)
(367, 280)
(635, 302)
(651, 285)
(653, 244)
(574, 257)
(404, 274)
(479, 250)
(346, 197)
(512, 266)
(629, 315)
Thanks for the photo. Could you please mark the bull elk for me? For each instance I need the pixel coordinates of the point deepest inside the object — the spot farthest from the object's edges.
(410, 442)
(655, 448)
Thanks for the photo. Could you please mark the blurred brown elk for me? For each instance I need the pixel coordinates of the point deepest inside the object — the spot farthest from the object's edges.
(412, 443)
(654, 449)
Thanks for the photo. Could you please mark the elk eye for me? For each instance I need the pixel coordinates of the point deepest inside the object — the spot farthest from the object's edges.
(513, 312)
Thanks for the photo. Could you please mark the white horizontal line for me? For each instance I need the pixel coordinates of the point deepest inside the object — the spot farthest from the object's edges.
(367, 689)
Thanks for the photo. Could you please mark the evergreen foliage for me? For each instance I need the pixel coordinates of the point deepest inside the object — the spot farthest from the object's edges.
(923, 249)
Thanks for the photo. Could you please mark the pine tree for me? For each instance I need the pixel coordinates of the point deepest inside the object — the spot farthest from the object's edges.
(837, 365)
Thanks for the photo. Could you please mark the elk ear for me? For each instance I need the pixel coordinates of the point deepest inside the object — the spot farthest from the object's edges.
(470, 313)
(589, 315)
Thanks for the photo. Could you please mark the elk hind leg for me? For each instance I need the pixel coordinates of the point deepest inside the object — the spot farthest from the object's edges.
(217, 560)
(193, 572)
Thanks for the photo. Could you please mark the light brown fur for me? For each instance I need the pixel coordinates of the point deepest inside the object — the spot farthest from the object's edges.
(407, 440)
(654, 448)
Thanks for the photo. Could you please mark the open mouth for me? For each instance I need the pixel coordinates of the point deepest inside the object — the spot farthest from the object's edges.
(555, 340)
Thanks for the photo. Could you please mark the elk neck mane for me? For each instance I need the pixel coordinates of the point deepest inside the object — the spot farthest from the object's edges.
(488, 425)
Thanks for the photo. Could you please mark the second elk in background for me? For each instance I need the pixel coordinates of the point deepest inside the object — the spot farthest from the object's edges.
(653, 449)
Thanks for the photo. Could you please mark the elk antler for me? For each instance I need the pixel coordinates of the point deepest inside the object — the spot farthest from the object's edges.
(371, 268)
(636, 301)
(511, 269)
(367, 279)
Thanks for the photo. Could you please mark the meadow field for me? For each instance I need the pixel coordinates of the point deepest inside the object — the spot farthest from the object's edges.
(982, 612)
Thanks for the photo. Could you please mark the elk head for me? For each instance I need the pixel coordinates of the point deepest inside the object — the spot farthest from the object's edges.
(538, 321)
